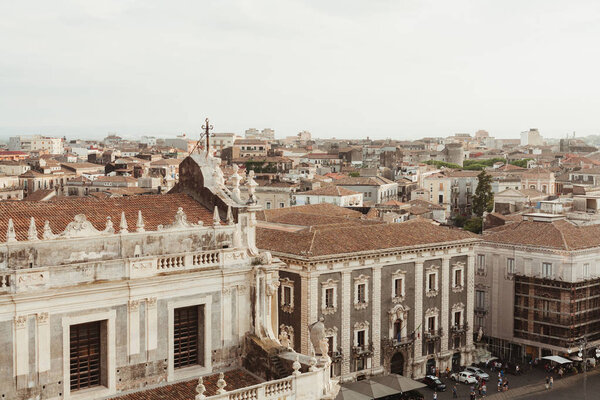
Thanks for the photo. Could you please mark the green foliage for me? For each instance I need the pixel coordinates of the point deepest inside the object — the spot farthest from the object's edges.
(460, 220)
(479, 165)
(483, 200)
(354, 174)
(440, 164)
(473, 225)
(261, 166)
(521, 163)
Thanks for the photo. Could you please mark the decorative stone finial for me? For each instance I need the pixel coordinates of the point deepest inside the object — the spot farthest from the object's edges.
(229, 216)
(296, 366)
(10, 232)
(216, 218)
(32, 234)
(251, 183)
(221, 384)
(47, 231)
(200, 389)
(313, 364)
(123, 226)
(109, 226)
(235, 181)
(140, 222)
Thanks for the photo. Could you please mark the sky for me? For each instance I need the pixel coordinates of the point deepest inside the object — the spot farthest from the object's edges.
(399, 69)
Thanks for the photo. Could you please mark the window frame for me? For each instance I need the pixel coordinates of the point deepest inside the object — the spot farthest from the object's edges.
(284, 284)
(330, 284)
(547, 270)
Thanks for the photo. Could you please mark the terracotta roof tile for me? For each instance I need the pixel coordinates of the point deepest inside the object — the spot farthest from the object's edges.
(235, 379)
(318, 209)
(156, 210)
(330, 190)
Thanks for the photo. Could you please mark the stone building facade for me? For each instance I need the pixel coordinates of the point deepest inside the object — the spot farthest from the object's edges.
(103, 296)
(393, 297)
(537, 285)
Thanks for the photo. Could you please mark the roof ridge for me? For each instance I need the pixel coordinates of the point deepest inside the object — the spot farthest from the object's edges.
(562, 236)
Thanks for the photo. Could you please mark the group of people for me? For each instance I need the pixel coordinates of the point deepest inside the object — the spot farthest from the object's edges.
(549, 382)
(502, 382)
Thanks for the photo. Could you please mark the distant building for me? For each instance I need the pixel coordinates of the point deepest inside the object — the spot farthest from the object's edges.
(337, 195)
(267, 134)
(531, 138)
(36, 143)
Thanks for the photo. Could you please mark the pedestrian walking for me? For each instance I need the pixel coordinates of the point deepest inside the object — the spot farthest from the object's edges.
(484, 390)
(434, 395)
(547, 382)
(499, 385)
(454, 393)
(551, 381)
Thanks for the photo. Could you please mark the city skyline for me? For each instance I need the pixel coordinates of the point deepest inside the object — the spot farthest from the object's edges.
(399, 70)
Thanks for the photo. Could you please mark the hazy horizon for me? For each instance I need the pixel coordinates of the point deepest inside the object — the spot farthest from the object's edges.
(351, 69)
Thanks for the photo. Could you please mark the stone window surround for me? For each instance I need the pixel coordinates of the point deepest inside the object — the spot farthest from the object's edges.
(329, 284)
(332, 333)
(511, 263)
(480, 262)
(432, 312)
(398, 312)
(361, 326)
(458, 307)
(432, 270)
(287, 283)
(193, 371)
(546, 270)
(458, 286)
(96, 392)
(399, 274)
(361, 280)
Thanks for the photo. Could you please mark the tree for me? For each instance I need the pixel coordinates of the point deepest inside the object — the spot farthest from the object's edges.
(354, 174)
(483, 200)
(473, 225)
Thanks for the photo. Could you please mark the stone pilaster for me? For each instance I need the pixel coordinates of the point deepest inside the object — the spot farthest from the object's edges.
(418, 350)
(376, 320)
(345, 334)
(43, 342)
(470, 301)
(445, 289)
(304, 315)
(134, 327)
(151, 326)
(21, 351)
(226, 326)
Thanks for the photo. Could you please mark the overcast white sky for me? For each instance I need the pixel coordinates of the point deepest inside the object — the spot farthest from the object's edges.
(351, 68)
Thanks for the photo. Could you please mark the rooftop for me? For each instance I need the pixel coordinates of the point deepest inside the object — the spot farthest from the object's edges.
(329, 190)
(156, 210)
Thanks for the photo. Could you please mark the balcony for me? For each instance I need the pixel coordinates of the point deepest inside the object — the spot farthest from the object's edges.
(392, 345)
(459, 329)
(336, 356)
(362, 351)
(433, 334)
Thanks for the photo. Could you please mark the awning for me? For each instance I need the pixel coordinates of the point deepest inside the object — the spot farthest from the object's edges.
(376, 387)
(557, 359)
(576, 358)
(372, 389)
(399, 382)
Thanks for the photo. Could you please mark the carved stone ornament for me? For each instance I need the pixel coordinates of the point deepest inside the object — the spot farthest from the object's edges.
(272, 288)
(48, 232)
(79, 227)
(180, 221)
(361, 325)
(151, 302)
(134, 305)
(458, 307)
(32, 234)
(317, 333)
(432, 312)
(42, 318)
(21, 321)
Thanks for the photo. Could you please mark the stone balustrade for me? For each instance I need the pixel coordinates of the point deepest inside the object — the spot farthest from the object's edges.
(284, 389)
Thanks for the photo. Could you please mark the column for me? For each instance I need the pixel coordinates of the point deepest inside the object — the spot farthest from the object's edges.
(418, 344)
(226, 327)
(470, 302)
(346, 344)
(376, 314)
(151, 327)
(445, 304)
(21, 351)
(134, 327)
(43, 342)
(304, 315)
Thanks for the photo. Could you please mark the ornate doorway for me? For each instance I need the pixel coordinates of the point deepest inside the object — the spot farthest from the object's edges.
(397, 365)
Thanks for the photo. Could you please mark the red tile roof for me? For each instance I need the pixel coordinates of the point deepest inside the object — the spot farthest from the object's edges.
(330, 190)
(156, 210)
(323, 236)
(235, 379)
(560, 234)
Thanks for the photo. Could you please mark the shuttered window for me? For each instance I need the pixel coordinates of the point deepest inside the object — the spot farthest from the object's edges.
(185, 336)
(85, 355)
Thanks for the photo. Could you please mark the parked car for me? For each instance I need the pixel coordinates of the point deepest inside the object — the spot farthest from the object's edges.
(463, 377)
(479, 373)
(434, 383)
